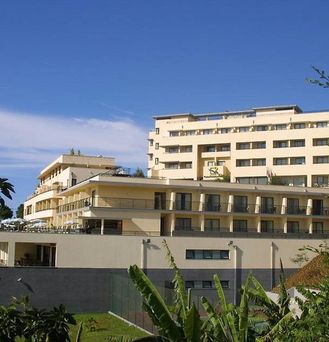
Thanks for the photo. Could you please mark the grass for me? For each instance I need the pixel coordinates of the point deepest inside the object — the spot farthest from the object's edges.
(105, 325)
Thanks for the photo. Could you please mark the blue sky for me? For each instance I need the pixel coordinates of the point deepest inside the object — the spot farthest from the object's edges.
(84, 73)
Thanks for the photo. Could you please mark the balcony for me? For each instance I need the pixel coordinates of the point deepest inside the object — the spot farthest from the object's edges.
(248, 209)
(270, 209)
(294, 210)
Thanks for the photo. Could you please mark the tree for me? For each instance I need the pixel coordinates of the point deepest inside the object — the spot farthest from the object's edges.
(5, 188)
(5, 212)
(323, 80)
(20, 211)
(139, 173)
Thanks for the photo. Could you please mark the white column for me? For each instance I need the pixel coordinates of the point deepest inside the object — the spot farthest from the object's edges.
(172, 200)
(231, 223)
(202, 223)
(258, 203)
(310, 226)
(258, 224)
(284, 206)
(172, 223)
(230, 203)
(202, 202)
(285, 226)
(309, 206)
(102, 226)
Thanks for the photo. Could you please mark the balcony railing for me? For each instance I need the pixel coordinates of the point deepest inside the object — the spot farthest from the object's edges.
(196, 206)
(296, 210)
(270, 209)
(249, 208)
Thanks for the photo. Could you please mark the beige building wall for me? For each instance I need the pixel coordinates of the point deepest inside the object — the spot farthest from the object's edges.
(218, 144)
(87, 251)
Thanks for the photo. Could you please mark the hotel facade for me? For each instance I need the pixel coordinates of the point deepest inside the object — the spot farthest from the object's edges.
(100, 222)
(264, 145)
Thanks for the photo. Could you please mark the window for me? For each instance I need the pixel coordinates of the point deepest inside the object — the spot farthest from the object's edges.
(321, 124)
(259, 144)
(243, 146)
(267, 205)
(190, 132)
(292, 206)
(224, 147)
(297, 160)
(156, 161)
(151, 156)
(259, 162)
(200, 254)
(280, 127)
(240, 226)
(320, 142)
(252, 180)
(184, 149)
(297, 143)
(210, 163)
(225, 130)
(240, 204)
(186, 165)
(183, 223)
(280, 143)
(73, 181)
(292, 227)
(317, 227)
(261, 128)
(212, 202)
(151, 142)
(266, 226)
(280, 161)
(172, 149)
(242, 162)
(211, 225)
(210, 148)
(159, 200)
(157, 130)
(172, 166)
(174, 133)
(183, 201)
(207, 131)
(320, 159)
(243, 129)
(321, 180)
(156, 146)
(220, 162)
(299, 125)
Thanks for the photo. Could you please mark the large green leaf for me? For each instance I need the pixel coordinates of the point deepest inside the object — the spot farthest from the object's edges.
(167, 326)
(192, 325)
(215, 320)
(220, 292)
(181, 302)
(244, 312)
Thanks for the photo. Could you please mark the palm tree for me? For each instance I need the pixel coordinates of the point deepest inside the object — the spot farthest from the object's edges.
(5, 188)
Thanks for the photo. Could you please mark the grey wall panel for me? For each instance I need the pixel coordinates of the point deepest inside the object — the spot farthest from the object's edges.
(88, 290)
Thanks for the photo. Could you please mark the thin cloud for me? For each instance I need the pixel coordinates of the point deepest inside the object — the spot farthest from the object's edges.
(28, 139)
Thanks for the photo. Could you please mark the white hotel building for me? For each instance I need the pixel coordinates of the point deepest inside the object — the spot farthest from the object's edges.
(249, 146)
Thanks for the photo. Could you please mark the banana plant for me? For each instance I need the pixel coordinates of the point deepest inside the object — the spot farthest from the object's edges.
(232, 322)
(184, 323)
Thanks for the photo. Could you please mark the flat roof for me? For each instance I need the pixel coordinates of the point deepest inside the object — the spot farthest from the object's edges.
(234, 112)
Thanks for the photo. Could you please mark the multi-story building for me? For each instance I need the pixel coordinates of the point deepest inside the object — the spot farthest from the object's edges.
(264, 145)
(62, 173)
(105, 223)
